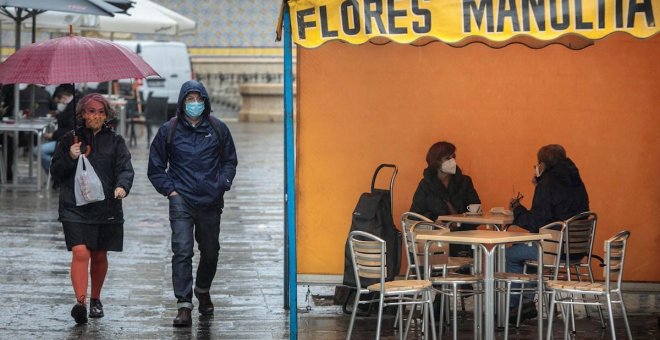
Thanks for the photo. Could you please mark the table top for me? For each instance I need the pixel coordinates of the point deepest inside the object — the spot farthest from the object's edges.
(26, 125)
(479, 236)
(483, 218)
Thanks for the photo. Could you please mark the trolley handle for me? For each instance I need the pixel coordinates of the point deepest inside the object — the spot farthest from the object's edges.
(373, 180)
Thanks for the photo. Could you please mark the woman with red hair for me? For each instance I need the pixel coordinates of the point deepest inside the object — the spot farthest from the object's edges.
(91, 230)
(445, 190)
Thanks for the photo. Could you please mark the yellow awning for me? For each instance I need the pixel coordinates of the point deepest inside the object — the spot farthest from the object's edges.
(458, 22)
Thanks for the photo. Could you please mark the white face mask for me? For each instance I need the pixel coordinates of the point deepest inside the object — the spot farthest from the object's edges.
(538, 170)
(449, 166)
(61, 107)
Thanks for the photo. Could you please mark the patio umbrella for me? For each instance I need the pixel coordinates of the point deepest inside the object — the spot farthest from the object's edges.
(144, 17)
(73, 59)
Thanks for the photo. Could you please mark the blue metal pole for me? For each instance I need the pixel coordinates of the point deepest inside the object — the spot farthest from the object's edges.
(289, 173)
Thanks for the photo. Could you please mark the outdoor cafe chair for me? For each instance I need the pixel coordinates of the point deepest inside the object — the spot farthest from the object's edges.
(578, 240)
(368, 254)
(552, 250)
(580, 232)
(449, 282)
(565, 292)
(408, 219)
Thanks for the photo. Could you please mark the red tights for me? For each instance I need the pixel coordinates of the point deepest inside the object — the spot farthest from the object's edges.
(82, 258)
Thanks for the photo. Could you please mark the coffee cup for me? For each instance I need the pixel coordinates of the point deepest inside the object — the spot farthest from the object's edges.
(474, 208)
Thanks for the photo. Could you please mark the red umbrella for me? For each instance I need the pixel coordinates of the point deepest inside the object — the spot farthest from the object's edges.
(71, 60)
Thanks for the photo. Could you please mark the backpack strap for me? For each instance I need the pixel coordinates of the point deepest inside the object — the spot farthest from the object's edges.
(215, 124)
(170, 134)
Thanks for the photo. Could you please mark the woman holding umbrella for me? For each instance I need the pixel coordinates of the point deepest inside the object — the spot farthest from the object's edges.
(91, 230)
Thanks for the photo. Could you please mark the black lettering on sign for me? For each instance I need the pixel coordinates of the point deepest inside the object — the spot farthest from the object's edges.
(601, 13)
(392, 14)
(618, 8)
(373, 14)
(423, 12)
(645, 7)
(354, 13)
(538, 9)
(325, 32)
(485, 8)
(579, 23)
(302, 24)
(554, 18)
(503, 13)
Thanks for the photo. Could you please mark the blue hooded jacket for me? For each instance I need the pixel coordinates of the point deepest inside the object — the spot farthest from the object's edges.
(199, 169)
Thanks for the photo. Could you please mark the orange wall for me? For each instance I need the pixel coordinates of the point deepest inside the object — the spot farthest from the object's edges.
(359, 106)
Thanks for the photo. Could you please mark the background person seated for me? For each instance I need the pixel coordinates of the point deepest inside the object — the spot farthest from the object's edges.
(559, 195)
(63, 97)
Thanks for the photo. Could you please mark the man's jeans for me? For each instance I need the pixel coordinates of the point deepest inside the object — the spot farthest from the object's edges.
(516, 255)
(205, 223)
(47, 151)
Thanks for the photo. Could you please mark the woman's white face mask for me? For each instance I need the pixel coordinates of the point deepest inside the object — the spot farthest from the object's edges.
(449, 166)
(538, 169)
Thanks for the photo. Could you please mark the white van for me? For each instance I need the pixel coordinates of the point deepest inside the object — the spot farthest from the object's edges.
(170, 60)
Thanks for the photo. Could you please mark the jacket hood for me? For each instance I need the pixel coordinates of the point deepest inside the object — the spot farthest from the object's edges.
(192, 86)
(566, 172)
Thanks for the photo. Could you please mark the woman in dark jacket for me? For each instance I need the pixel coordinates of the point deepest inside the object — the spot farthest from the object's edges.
(444, 190)
(559, 195)
(91, 230)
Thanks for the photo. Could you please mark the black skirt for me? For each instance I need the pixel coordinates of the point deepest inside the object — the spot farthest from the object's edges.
(109, 237)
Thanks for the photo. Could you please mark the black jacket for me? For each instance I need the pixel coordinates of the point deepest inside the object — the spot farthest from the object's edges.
(198, 167)
(431, 195)
(112, 163)
(559, 195)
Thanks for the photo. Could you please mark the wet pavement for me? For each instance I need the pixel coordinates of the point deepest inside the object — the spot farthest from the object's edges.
(247, 291)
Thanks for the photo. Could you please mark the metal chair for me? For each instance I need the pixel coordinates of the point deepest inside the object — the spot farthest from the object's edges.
(408, 219)
(564, 292)
(368, 254)
(552, 250)
(577, 253)
(580, 233)
(441, 274)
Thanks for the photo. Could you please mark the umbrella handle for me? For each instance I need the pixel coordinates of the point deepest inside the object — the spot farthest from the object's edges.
(88, 149)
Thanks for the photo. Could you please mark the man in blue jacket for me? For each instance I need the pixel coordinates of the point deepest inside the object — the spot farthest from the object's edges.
(193, 161)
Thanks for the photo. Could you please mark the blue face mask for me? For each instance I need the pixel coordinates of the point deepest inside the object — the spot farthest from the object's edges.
(194, 110)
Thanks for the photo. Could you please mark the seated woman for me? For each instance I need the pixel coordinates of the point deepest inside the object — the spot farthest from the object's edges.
(444, 190)
(559, 195)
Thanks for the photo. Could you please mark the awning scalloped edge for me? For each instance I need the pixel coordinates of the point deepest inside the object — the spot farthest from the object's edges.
(572, 41)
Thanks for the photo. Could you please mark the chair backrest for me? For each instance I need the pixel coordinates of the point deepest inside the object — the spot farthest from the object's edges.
(438, 252)
(615, 255)
(553, 247)
(156, 110)
(408, 219)
(368, 256)
(580, 231)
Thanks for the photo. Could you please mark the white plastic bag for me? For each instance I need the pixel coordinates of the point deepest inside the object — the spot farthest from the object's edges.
(87, 185)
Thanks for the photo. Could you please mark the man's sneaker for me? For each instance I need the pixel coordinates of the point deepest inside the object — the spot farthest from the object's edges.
(95, 308)
(183, 318)
(205, 304)
(79, 313)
